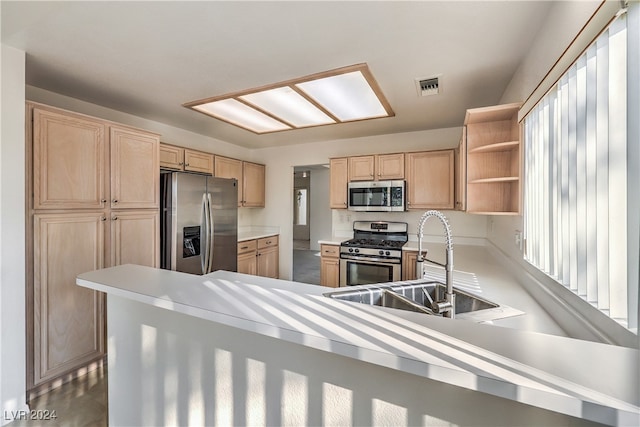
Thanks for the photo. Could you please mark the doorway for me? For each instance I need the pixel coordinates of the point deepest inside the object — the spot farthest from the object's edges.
(301, 197)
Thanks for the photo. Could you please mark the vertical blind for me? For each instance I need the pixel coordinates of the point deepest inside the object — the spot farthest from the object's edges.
(575, 187)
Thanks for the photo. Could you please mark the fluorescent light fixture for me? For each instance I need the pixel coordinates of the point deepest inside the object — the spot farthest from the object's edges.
(342, 95)
(239, 114)
(290, 106)
(347, 96)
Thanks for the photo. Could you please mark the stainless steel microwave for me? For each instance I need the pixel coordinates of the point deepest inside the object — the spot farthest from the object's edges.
(377, 196)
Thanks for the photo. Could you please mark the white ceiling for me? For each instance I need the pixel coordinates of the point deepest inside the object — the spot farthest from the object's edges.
(148, 58)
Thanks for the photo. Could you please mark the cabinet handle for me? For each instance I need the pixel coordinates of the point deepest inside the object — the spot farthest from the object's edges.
(180, 164)
(104, 218)
(186, 164)
(103, 201)
(268, 242)
(244, 247)
(115, 218)
(115, 200)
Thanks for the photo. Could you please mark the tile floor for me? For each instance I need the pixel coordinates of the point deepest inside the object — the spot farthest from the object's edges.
(306, 263)
(78, 403)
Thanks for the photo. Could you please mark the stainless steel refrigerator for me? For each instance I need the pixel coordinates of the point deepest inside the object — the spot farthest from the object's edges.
(199, 223)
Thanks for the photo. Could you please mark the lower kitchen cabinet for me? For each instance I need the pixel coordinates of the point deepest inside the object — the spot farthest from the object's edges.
(247, 257)
(259, 257)
(68, 320)
(330, 265)
(409, 259)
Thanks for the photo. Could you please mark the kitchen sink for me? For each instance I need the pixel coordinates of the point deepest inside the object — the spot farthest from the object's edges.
(417, 297)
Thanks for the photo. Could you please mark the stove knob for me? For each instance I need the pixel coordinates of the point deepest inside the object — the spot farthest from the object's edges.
(381, 252)
(357, 250)
(387, 253)
(350, 249)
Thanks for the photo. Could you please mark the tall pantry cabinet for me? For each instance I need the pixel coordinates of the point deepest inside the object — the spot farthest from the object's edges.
(93, 202)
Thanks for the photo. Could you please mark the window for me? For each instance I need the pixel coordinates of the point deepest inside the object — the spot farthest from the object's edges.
(576, 204)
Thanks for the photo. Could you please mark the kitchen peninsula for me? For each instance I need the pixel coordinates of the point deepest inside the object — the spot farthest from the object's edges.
(229, 348)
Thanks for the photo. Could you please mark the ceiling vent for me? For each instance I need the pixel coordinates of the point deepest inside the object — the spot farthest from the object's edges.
(428, 86)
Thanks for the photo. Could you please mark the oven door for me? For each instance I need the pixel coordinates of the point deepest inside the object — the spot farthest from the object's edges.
(362, 271)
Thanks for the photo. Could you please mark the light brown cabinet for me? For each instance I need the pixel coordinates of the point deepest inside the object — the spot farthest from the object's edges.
(69, 161)
(250, 176)
(253, 185)
(268, 257)
(68, 320)
(184, 159)
(461, 172)
(171, 157)
(95, 204)
(197, 161)
(259, 257)
(493, 162)
(376, 167)
(226, 167)
(134, 169)
(134, 237)
(409, 259)
(430, 179)
(330, 265)
(338, 182)
(247, 257)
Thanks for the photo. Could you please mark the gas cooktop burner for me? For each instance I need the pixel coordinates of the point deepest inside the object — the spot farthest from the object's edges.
(373, 243)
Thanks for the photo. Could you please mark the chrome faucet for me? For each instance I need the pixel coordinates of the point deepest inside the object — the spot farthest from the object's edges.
(446, 307)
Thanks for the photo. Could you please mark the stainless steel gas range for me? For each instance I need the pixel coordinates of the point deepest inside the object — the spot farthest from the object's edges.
(374, 255)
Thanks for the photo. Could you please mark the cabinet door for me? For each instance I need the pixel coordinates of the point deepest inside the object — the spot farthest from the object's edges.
(268, 262)
(390, 166)
(248, 263)
(253, 185)
(330, 272)
(196, 161)
(409, 259)
(361, 168)
(69, 160)
(338, 181)
(135, 238)
(171, 157)
(68, 325)
(430, 180)
(230, 168)
(135, 161)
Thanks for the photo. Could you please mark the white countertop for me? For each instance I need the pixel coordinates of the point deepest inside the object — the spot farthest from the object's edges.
(578, 378)
(251, 233)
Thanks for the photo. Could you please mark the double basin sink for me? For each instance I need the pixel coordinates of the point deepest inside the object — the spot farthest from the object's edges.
(419, 297)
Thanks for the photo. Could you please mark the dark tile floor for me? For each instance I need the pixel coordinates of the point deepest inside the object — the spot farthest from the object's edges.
(78, 403)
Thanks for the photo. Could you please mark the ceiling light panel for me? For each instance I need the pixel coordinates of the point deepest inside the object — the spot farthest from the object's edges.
(288, 105)
(239, 114)
(347, 96)
(329, 97)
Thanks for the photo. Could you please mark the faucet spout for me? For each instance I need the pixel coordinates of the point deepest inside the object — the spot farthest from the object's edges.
(447, 307)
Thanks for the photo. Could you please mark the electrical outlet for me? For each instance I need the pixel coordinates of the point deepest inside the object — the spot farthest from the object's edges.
(518, 239)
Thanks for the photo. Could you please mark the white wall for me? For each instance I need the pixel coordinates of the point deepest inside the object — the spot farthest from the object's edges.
(12, 234)
(281, 160)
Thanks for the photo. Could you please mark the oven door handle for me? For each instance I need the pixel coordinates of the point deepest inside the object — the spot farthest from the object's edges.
(370, 259)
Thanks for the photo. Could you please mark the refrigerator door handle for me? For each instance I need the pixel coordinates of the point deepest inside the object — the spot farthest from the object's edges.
(211, 232)
(204, 257)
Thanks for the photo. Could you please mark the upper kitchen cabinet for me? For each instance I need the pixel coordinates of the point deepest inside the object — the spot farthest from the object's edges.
(493, 160)
(338, 181)
(134, 169)
(69, 160)
(226, 167)
(430, 179)
(376, 167)
(197, 161)
(183, 159)
(253, 186)
(171, 157)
